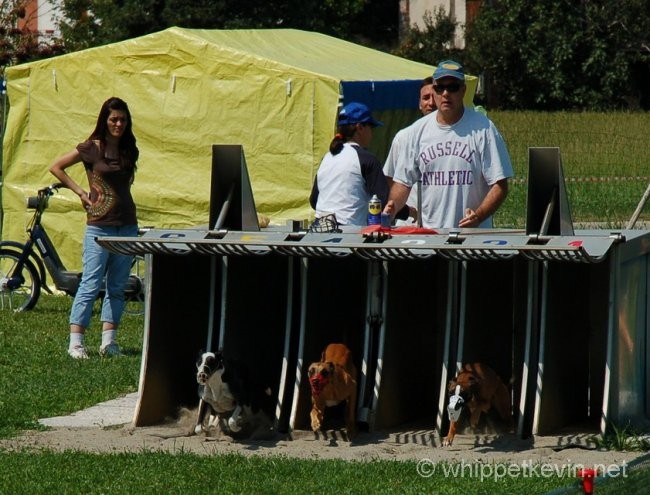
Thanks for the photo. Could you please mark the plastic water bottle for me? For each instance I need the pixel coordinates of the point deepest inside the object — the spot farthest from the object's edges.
(374, 211)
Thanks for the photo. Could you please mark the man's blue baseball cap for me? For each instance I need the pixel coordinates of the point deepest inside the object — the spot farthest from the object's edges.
(357, 113)
(449, 68)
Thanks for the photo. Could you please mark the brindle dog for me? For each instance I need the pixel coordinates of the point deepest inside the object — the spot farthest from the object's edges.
(481, 389)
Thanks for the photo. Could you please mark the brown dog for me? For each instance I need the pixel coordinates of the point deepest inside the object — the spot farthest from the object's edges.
(480, 390)
(333, 380)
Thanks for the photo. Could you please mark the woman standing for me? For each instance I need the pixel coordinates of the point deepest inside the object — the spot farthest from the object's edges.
(349, 175)
(109, 156)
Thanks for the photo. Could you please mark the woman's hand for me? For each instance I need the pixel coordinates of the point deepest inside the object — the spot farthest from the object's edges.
(85, 200)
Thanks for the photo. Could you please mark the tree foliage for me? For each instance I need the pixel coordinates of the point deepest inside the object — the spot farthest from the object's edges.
(86, 23)
(566, 54)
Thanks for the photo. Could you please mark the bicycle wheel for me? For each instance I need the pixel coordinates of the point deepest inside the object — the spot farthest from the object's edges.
(18, 292)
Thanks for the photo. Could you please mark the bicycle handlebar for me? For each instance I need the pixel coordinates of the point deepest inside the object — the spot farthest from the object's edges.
(52, 187)
(40, 201)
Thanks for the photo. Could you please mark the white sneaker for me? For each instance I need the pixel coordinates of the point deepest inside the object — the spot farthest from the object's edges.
(78, 352)
(108, 350)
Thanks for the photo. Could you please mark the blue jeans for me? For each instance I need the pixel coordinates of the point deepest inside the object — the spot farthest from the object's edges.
(102, 267)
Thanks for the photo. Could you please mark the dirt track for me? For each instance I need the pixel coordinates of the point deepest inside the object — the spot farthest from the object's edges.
(106, 428)
(408, 444)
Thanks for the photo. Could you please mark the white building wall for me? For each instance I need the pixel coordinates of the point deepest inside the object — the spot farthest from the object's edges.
(416, 10)
(47, 16)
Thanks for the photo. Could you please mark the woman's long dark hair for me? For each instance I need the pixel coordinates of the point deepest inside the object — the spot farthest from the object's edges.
(127, 145)
(343, 134)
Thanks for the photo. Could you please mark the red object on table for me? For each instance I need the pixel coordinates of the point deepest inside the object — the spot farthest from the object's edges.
(370, 229)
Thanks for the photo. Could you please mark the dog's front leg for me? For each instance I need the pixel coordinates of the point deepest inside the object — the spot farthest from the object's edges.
(233, 420)
(200, 417)
(450, 435)
(317, 414)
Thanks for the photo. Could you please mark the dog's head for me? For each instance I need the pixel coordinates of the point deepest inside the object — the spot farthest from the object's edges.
(320, 375)
(468, 383)
(207, 364)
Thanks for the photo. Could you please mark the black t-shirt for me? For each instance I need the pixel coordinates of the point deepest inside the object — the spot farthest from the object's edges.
(110, 187)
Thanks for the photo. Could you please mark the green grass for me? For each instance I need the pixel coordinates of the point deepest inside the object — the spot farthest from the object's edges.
(604, 159)
(635, 479)
(34, 361)
(592, 144)
(49, 383)
(182, 473)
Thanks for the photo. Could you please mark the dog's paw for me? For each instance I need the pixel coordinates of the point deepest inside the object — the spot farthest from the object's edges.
(446, 442)
(212, 431)
(315, 423)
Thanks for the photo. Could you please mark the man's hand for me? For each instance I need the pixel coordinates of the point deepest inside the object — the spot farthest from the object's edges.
(396, 199)
(494, 198)
(413, 213)
(471, 219)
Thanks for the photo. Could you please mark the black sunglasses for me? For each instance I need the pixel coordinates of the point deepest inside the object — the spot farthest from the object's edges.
(451, 88)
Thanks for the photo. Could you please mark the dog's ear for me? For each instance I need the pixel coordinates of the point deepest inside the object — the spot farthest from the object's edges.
(473, 384)
(451, 388)
(201, 358)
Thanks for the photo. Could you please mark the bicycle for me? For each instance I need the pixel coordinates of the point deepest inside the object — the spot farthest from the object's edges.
(24, 266)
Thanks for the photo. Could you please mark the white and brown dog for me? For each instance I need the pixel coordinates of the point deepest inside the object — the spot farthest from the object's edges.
(234, 403)
(479, 388)
(333, 380)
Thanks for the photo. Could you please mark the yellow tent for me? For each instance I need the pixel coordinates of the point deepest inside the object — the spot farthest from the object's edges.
(276, 92)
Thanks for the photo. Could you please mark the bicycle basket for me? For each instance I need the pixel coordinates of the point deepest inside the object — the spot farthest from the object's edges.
(326, 223)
